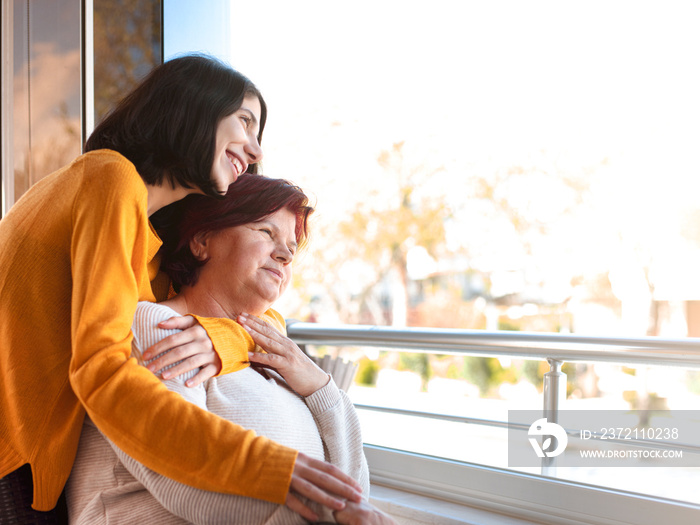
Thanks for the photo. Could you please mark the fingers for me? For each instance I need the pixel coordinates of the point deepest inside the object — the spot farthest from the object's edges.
(338, 481)
(268, 338)
(204, 374)
(194, 334)
(178, 323)
(268, 360)
(297, 369)
(189, 349)
(262, 333)
(187, 356)
(297, 506)
(362, 513)
(195, 362)
(323, 483)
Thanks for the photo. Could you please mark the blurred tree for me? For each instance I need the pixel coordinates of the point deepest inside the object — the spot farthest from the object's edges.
(418, 363)
(382, 238)
(127, 37)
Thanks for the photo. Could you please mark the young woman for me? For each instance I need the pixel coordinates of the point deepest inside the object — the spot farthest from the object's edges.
(231, 256)
(79, 252)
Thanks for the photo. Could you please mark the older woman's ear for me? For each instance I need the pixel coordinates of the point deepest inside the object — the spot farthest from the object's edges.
(199, 245)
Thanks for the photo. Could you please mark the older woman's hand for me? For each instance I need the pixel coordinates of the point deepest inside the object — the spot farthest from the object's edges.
(191, 349)
(284, 356)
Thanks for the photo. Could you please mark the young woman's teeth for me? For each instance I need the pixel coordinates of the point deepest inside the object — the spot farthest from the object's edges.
(236, 163)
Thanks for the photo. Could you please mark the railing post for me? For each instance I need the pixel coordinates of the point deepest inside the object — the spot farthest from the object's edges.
(554, 389)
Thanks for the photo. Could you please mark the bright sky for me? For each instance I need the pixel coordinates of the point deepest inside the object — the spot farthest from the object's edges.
(610, 88)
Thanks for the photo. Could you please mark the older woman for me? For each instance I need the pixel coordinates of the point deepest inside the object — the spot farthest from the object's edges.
(233, 260)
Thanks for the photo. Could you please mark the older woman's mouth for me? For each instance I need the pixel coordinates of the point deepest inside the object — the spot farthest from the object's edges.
(274, 271)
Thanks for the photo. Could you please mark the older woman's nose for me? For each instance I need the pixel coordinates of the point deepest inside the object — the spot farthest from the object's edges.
(283, 254)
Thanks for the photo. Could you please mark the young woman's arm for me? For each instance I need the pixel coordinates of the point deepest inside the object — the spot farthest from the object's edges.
(110, 250)
(193, 505)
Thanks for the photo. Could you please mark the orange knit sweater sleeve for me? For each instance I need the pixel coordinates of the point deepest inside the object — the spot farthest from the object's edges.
(109, 257)
(232, 342)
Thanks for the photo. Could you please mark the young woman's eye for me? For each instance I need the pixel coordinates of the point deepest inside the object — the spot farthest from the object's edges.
(246, 120)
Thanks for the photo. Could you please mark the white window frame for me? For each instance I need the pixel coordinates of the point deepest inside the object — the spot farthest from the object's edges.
(6, 107)
(525, 496)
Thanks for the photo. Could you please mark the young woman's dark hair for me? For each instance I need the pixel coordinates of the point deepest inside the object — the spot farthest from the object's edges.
(250, 199)
(167, 125)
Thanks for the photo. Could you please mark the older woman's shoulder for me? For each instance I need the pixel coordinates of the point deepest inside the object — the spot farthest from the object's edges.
(154, 311)
(145, 326)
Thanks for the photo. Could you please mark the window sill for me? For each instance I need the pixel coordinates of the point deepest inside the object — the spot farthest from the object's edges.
(413, 509)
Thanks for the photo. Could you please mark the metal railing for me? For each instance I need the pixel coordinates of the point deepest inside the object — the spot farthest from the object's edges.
(528, 345)
(554, 348)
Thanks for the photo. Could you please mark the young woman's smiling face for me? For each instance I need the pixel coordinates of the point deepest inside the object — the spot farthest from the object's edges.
(237, 144)
(250, 266)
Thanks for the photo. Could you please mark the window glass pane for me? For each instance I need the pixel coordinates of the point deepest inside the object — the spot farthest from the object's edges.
(486, 165)
(127, 35)
(197, 27)
(46, 85)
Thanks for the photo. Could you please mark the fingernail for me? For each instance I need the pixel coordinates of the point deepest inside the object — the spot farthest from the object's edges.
(165, 375)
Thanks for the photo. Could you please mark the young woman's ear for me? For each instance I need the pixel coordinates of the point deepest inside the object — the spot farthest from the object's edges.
(199, 245)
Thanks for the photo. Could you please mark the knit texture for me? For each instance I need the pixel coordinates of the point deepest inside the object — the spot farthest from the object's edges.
(77, 254)
(108, 486)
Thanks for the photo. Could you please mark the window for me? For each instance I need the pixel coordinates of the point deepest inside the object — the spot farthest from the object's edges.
(49, 77)
(127, 45)
(41, 91)
(509, 166)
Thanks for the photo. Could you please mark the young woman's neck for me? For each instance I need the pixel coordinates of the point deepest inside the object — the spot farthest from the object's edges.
(161, 196)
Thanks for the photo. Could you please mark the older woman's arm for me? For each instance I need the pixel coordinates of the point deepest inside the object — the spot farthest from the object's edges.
(333, 411)
(331, 408)
(340, 431)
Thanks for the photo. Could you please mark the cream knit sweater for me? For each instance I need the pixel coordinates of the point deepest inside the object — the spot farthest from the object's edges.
(107, 486)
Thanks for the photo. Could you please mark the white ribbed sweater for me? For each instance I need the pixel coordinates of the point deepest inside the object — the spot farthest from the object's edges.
(107, 486)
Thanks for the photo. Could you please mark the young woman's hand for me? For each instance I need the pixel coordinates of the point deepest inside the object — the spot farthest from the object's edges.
(284, 356)
(322, 483)
(191, 349)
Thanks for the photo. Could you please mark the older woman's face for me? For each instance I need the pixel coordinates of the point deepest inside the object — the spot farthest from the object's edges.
(251, 264)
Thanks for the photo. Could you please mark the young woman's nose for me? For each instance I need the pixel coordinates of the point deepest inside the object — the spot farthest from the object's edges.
(253, 150)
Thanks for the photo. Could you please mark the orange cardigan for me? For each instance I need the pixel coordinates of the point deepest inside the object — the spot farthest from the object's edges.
(77, 253)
